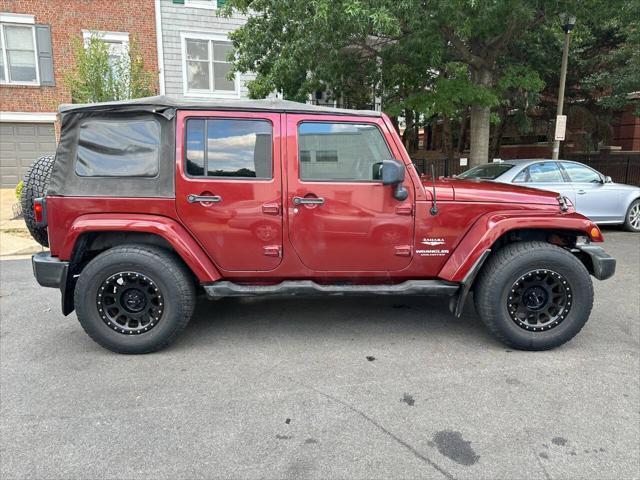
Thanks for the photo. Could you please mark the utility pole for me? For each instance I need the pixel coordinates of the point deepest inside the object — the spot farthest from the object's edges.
(569, 21)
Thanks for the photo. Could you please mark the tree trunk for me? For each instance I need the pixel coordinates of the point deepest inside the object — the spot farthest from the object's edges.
(410, 136)
(447, 141)
(498, 131)
(480, 128)
(463, 133)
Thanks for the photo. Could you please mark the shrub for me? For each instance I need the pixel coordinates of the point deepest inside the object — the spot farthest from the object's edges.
(19, 190)
(100, 77)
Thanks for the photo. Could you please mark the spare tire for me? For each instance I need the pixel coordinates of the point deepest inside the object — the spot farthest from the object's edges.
(35, 184)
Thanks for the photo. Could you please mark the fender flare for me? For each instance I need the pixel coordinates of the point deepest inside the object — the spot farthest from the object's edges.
(491, 226)
(178, 237)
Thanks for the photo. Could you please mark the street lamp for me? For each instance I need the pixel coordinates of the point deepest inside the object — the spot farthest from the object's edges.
(568, 22)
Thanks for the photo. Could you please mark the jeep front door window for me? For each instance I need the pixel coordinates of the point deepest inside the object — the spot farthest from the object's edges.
(340, 151)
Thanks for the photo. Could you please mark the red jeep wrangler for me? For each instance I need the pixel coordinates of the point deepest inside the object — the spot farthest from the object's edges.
(150, 201)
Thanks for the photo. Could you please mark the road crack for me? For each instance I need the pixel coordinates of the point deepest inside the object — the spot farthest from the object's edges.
(373, 422)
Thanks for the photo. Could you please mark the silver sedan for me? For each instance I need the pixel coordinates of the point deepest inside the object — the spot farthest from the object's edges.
(593, 194)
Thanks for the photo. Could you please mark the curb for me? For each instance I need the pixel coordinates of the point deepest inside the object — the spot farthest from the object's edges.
(30, 250)
(11, 245)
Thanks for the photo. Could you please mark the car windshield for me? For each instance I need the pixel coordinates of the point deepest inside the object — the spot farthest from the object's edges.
(489, 171)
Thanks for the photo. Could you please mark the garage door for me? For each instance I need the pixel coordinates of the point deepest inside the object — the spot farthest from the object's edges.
(20, 145)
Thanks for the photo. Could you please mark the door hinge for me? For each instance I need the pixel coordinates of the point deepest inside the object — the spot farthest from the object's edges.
(272, 250)
(404, 209)
(271, 208)
(403, 251)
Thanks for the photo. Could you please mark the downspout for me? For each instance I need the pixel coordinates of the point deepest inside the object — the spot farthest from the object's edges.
(159, 47)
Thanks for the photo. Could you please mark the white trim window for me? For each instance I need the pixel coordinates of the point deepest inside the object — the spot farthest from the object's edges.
(205, 66)
(206, 4)
(18, 54)
(28, 117)
(118, 43)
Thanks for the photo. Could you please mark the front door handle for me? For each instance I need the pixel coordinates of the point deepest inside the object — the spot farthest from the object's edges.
(191, 198)
(308, 200)
(581, 192)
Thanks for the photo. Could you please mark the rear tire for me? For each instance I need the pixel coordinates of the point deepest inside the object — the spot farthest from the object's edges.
(134, 299)
(36, 183)
(632, 218)
(533, 295)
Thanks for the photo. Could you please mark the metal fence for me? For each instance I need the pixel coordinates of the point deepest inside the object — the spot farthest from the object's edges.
(621, 167)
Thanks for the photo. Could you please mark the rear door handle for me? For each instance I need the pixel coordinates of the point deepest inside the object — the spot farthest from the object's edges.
(191, 198)
(581, 192)
(308, 200)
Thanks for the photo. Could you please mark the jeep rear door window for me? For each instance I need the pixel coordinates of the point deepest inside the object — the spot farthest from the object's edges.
(340, 151)
(229, 148)
(122, 148)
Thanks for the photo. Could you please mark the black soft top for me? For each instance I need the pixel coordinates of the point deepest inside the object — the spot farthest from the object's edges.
(102, 142)
(167, 106)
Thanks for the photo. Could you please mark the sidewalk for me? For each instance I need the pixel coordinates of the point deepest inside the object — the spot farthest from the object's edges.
(14, 236)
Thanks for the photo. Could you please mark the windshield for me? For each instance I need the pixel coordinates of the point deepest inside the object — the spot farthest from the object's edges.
(489, 171)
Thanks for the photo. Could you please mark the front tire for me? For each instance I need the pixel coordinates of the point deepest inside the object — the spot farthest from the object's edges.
(632, 219)
(534, 295)
(134, 299)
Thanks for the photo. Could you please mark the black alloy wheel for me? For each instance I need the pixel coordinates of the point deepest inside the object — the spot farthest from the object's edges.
(130, 303)
(533, 295)
(539, 300)
(134, 298)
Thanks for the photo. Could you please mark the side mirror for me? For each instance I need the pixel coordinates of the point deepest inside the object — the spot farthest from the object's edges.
(393, 174)
(608, 179)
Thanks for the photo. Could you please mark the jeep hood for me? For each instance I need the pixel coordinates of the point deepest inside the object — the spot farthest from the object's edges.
(494, 192)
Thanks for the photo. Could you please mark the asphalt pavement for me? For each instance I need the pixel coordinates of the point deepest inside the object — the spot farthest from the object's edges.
(321, 388)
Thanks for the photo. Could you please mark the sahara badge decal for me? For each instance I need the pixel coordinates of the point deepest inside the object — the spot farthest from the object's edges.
(434, 252)
(432, 242)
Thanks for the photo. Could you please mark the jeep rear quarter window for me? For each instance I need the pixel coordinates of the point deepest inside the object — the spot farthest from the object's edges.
(233, 148)
(121, 148)
(340, 151)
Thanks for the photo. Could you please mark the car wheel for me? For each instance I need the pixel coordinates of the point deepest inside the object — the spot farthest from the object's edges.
(632, 220)
(36, 183)
(533, 295)
(134, 299)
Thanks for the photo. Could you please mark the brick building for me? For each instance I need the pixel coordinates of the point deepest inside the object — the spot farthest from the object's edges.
(36, 52)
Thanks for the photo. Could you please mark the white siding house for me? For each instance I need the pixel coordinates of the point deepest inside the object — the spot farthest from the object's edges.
(193, 46)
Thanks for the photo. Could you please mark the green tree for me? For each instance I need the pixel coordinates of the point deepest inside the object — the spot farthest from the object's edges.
(604, 67)
(423, 58)
(100, 77)
(518, 92)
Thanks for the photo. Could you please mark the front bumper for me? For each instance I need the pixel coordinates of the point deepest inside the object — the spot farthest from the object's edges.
(603, 265)
(49, 271)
